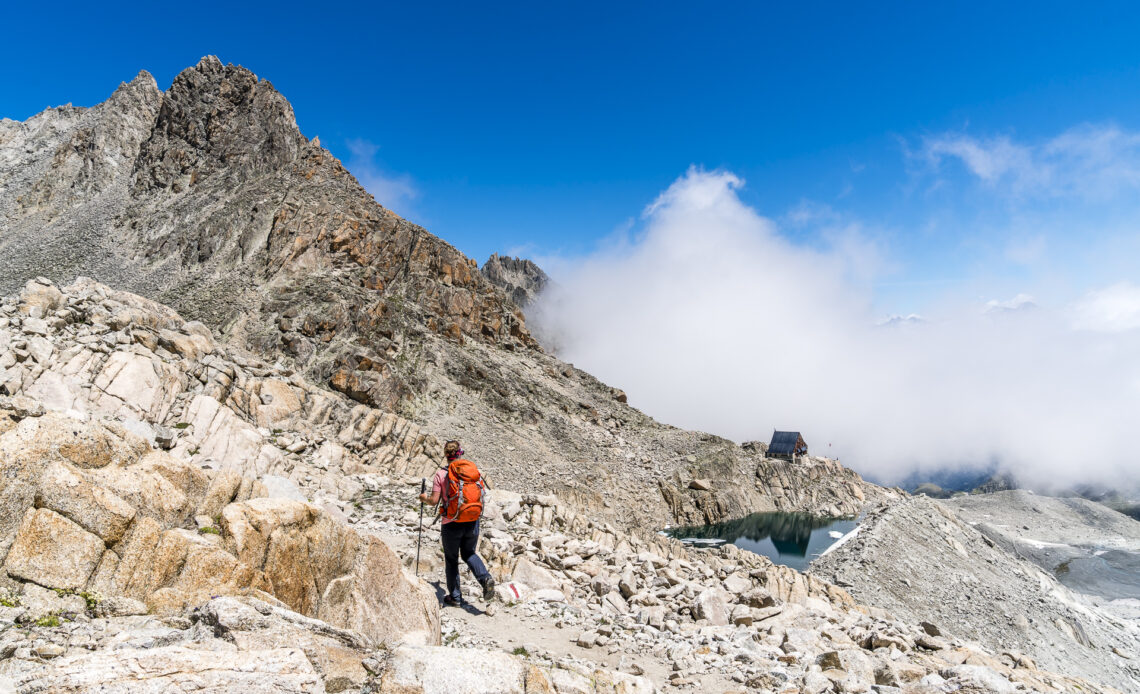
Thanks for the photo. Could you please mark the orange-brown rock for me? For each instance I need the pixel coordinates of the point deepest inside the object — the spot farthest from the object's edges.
(121, 522)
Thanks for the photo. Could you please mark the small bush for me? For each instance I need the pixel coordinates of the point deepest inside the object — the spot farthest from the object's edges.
(8, 600)
(182, 425)
(521, 650)
(92, 599)
(209, 530)
(51, 620)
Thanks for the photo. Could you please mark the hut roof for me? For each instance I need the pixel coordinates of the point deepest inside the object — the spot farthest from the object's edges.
(784, 442)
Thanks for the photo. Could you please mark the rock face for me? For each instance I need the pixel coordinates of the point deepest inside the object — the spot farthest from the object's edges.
(110, 353)
(89, 509)
(520, 278)
(209, 199)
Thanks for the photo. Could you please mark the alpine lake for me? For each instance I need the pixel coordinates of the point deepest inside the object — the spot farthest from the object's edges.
(790, 539)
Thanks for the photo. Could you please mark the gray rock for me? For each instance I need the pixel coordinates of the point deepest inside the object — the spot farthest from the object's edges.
(980, 676)
(277, 487)
(711, 604)
(521, 279)
(35, 326)
(119, 606)
(615, 602)
(164, 437)
(40, 602)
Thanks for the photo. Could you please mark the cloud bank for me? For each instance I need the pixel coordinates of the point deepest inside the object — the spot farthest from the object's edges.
(710, 319)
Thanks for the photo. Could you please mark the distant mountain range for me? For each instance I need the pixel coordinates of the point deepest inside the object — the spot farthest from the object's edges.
(950, 482)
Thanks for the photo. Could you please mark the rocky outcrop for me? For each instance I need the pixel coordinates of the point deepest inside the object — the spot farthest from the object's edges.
(244, 644)
(177, 668)
(520, 278)
(227, 644)
(89, 350)
(89, 508)
(709, 489)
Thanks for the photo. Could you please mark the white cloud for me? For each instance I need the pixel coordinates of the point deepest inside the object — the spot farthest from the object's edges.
(990, 160)
(1090, 161)
(397, 192)
(710, 319)
(1112, 309)
(1021, 302)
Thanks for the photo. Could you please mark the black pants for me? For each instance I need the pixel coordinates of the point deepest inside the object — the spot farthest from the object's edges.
(459, 540)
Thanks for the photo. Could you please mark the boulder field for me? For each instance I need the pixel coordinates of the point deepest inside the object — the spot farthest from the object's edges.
(180, 515)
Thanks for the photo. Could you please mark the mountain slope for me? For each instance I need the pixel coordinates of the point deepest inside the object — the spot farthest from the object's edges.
(925, 560)
(209, 199)
(175, 511)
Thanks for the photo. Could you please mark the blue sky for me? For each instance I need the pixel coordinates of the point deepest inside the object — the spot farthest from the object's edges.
(544, 127)
(781, 176)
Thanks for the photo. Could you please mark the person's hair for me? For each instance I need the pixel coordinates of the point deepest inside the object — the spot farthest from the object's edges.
(450, 449)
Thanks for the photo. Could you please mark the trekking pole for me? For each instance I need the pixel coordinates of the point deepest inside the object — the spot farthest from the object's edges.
(420, 534)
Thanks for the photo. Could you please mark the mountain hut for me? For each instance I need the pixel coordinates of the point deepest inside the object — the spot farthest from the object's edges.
(787, 444)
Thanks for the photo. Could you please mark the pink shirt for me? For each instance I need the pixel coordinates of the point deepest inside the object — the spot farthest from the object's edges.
(437, 482)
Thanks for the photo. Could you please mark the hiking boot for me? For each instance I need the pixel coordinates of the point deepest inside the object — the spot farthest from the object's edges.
(449, 601)
(489, 589)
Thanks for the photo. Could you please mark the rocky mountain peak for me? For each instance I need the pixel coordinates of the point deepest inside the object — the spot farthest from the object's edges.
(520, 278)
(217, 119)
(209, 198)
(143, 86)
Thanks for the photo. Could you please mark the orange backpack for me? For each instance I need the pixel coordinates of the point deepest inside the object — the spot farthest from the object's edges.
(462, 492)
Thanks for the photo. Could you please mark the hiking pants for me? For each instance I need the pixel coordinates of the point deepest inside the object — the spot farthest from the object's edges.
(459, 540)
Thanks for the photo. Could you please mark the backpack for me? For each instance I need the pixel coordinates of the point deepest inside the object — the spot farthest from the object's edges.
(462, 492)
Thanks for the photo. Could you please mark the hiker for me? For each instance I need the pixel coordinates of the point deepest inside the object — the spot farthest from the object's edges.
(458, 489)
